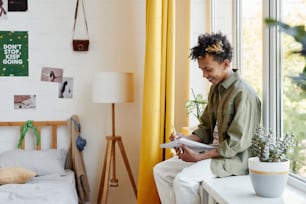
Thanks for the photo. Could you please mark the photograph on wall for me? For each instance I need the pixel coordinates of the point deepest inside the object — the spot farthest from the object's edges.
(24, 101)
(14, 53)
(66, 88)
(17, 5)
(3, 9)
(52, 74)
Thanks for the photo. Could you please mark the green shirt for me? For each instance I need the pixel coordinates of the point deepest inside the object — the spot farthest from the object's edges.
(236, 107)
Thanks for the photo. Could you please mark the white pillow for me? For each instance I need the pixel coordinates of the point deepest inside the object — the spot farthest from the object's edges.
(43, 162)
(16, 175)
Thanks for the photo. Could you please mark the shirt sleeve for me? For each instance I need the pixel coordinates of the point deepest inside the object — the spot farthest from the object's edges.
(204, 129)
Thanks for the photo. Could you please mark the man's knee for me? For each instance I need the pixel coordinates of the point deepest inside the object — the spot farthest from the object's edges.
(157, 169)
(180, 180)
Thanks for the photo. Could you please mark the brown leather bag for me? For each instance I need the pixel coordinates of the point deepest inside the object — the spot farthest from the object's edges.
(80, 44)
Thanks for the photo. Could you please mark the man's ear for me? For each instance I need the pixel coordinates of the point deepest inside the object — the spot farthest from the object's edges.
(226, 63)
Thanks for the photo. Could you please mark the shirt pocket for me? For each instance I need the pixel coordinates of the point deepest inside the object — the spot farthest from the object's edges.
(228, 113)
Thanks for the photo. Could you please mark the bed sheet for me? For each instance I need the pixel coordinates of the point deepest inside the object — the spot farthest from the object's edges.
(48, 189)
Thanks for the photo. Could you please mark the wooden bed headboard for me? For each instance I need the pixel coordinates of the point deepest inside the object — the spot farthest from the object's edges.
(38, 124)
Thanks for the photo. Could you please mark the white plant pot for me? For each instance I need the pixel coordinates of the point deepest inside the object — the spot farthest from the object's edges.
(269, 179)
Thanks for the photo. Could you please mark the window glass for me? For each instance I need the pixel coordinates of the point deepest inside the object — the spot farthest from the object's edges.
(293, 96)
(251, 46)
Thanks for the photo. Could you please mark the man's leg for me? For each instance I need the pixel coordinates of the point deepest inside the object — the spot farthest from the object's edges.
(164, 174)
(187, 182)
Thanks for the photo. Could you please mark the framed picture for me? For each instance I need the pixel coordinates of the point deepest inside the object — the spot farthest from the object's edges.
(17, 5)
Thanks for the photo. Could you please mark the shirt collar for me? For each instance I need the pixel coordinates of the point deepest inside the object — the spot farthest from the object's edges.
(228, 82)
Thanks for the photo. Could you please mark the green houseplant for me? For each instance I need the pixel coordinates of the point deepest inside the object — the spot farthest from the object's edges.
(269, 166)
(195, 108)
(299, 34)
(196, 105)
(269, 148)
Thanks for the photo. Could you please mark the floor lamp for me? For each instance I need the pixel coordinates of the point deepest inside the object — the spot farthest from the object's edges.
(113, 87)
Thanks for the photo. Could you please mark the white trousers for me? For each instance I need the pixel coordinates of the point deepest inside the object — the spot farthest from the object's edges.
(178, 182)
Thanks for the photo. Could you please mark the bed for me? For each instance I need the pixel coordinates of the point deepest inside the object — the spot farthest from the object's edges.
(41, 171)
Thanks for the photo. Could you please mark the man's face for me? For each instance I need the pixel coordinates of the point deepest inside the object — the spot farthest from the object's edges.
(215, 72)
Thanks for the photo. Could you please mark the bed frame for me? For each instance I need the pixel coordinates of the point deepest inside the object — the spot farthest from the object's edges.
(38, 124)
(75, 163)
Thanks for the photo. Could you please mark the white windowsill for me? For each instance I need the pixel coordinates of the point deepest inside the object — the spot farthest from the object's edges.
(297, 183)
(239, 190)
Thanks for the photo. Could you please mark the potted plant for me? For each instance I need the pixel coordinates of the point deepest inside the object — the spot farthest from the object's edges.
(196, 106)
(269, 166)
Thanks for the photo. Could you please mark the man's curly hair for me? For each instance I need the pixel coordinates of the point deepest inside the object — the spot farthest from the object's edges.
(215, 45)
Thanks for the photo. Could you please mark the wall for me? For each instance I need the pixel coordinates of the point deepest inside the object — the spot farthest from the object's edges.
(181, 64)
(206, 16)
(117, 42)
(198, 25)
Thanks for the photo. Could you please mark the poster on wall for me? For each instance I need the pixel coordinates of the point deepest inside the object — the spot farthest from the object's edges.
(3, 9)
(14, 53)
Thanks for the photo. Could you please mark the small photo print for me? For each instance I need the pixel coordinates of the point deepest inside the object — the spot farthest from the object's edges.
(24, 101)
(3, 9)
(51, 74)
(66, 88)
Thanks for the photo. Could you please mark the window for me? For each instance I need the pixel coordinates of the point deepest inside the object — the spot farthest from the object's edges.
(294, 97)
(284, 103)
(262, 56)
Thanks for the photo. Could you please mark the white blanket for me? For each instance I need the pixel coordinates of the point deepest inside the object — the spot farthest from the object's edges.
(49, 189)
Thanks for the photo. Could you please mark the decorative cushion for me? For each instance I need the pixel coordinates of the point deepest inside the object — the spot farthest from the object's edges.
(42, 162)
(16, 175)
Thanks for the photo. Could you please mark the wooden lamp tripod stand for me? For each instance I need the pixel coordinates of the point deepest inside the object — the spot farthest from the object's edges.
(110, 159)
(113, 87)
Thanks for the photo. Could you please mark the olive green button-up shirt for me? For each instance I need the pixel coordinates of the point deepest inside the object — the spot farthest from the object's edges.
(236, 107)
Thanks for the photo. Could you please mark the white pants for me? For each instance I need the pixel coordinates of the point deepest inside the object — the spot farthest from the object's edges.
(178, 182)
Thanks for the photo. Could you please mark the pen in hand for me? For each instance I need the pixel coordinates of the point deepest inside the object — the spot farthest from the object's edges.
(173, 135)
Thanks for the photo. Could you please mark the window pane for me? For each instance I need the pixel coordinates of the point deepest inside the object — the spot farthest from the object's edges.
(294, 97)
(251, 46)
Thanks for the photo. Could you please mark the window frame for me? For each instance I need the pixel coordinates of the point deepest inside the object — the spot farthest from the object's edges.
(272, 107)
(273, 78)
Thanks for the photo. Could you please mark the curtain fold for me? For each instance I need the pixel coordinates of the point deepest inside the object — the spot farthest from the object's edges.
(158, 97)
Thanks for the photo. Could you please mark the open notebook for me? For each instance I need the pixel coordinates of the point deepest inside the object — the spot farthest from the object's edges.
(195, 146)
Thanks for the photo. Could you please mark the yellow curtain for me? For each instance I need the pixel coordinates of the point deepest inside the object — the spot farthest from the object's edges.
(158, 100)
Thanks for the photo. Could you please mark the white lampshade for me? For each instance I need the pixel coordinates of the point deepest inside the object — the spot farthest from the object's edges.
(113, 87)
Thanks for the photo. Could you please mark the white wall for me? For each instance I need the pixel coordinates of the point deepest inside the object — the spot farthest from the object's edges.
(117, 43)
(200, 23)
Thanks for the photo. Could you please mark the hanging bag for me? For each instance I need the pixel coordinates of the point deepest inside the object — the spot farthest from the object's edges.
(80, 44)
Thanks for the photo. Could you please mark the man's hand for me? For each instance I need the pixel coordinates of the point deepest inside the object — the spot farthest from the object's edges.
(175, 136)
(186, 154)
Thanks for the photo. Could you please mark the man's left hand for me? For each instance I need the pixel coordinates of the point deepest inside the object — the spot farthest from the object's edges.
(186, 154)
